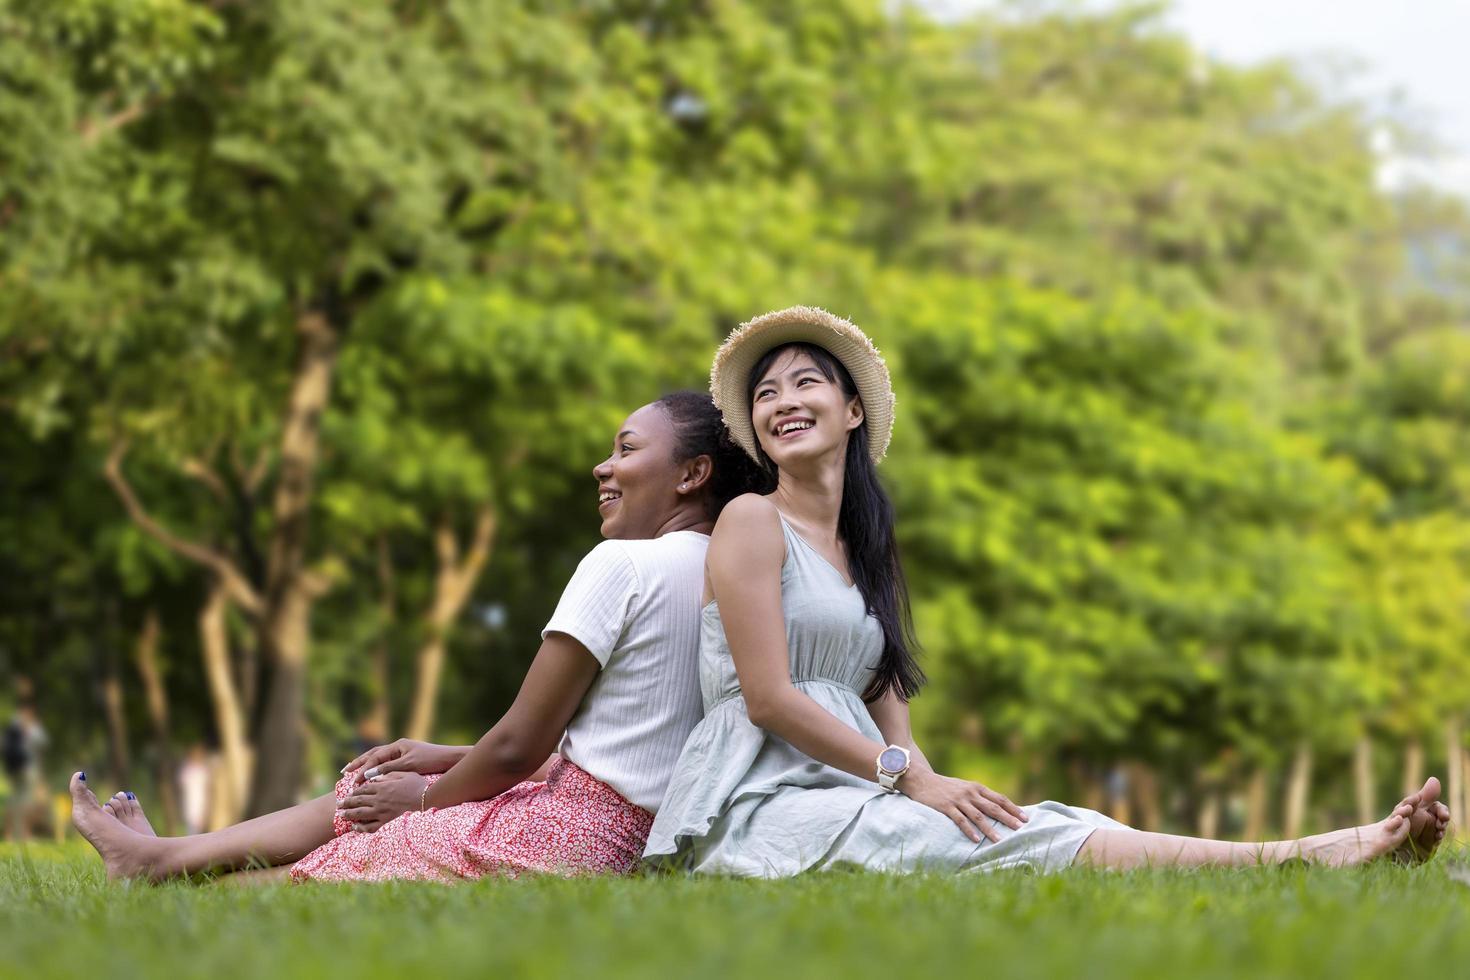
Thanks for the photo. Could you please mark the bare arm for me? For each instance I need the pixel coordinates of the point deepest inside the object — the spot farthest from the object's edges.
(964, 801)
(405, 755)
(521, 741)
(745, 556)
(891, 714)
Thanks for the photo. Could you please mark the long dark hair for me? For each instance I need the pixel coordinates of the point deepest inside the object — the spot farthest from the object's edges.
(865, 525)
(699, 430)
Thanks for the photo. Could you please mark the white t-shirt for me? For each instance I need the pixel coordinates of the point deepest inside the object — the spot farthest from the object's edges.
(635, 606)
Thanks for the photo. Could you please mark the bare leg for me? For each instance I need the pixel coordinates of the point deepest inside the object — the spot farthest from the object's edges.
(274, 839)
(1339, 848)
(255, 877)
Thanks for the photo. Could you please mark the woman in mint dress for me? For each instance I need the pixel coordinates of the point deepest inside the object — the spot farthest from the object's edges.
(805, 758)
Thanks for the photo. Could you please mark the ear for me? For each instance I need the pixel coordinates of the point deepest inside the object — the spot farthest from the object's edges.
(695, 473)
(855, 414)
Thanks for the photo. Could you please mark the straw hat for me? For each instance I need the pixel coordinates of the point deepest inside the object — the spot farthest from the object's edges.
(729, 378)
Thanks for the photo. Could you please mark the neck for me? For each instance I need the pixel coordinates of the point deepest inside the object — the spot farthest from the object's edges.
(813, 494)
(688, 517)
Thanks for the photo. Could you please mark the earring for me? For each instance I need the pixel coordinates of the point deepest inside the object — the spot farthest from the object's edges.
(683, 486)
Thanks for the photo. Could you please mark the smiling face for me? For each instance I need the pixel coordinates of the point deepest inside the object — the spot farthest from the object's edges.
(798, 412)
(638, 485)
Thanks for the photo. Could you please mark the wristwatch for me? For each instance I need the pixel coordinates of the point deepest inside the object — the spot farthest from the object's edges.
(893, 762)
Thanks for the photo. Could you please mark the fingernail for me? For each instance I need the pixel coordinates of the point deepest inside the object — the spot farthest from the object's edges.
(132, 795)
(82, 776)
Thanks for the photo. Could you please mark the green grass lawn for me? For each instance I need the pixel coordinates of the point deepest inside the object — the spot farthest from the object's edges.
(60, 917)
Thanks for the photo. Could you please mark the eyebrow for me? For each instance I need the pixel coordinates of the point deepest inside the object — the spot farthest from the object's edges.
(626, 432)
(792, 374)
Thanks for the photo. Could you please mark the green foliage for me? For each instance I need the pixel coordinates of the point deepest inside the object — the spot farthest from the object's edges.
(1119, 553)
(1180, 467)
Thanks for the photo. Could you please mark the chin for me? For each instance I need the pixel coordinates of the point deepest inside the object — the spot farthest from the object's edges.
(786, 456)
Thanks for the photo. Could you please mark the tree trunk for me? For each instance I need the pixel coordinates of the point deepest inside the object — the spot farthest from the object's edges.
(117, 728)
(290, 591)
(380, 715)
(452, 587)
(1145, 784)
(1454, 743)
(1118, 786)
(1085, 786)
(1464, 798)
(1413, 765)
(229, 719)
(1256, 804)
(280, 740)
(1208, 825)
(247, 674)
(165, 770)
(1363, 778)
(1297, 789)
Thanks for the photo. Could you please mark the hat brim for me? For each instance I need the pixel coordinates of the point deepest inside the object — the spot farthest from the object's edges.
(730, 374)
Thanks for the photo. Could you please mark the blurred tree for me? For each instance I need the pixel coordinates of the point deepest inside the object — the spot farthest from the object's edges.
(1406, 421)
(1119, 555)
(233, 188)
(344, 300)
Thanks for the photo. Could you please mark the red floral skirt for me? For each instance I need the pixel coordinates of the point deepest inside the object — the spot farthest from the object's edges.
(572, 824)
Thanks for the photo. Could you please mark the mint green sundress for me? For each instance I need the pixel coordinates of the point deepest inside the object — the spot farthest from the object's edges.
(745, 802)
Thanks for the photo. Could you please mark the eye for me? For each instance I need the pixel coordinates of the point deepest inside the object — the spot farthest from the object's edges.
(625, 448)
(764, 392)
(805, 380)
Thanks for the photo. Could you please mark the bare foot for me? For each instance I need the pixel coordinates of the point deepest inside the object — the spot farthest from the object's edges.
(1427, 825)
(120, 848)
(129, 812)
(1359, 845)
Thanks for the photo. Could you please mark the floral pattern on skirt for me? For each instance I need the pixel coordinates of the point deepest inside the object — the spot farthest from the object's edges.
(572, 824)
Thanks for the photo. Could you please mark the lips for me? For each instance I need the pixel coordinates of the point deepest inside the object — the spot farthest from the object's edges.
(789, 428)
(606, 498)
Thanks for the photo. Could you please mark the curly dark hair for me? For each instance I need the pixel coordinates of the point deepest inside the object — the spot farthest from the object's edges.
(701, 431)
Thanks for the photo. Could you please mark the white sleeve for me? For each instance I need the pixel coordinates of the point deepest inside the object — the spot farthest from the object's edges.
(599, 601)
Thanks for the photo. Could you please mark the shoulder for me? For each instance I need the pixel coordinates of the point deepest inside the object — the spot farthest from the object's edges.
(749, 512)
(609, 552)
(650, 555)
(610, 561)
(749, 527)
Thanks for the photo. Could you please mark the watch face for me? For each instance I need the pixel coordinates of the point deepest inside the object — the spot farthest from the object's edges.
(893, 760)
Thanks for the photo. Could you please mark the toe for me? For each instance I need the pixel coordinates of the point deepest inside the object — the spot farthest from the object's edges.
(1431, 789)
(80, 791)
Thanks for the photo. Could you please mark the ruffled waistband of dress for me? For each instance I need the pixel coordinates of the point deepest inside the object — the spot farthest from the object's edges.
(801, 683)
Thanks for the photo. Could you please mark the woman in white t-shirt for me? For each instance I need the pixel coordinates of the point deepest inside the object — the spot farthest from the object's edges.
(615, 682)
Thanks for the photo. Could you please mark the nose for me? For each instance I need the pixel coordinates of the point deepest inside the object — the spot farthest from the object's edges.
(602, 470)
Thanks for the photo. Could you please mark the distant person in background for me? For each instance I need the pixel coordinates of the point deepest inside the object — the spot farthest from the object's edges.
(614, 683)
(194, 778)
(21, 746)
